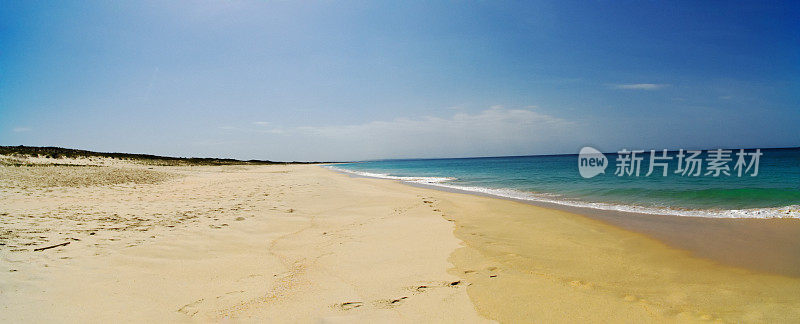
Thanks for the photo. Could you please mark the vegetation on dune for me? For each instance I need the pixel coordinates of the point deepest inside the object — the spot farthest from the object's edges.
(59, 152)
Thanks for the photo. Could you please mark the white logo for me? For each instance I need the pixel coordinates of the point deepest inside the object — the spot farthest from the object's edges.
(591, 162)
(690, 163)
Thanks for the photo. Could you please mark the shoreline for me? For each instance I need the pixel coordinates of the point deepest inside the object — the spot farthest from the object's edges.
(781, 212)
(768, 245)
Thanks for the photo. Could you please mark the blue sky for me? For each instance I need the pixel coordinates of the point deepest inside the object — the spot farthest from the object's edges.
(364, 80)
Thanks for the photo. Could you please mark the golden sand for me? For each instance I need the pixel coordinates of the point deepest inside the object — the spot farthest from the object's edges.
(527, 262)
(256, 243)
(305, 244)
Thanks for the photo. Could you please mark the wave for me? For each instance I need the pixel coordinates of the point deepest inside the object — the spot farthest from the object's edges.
(422, 180)
(792, 211)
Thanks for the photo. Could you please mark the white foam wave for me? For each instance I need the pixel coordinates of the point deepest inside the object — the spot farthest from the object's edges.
(792, 211)
(421, 180)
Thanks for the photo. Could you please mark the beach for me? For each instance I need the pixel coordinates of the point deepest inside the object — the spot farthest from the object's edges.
(399, 162)
(301, 243)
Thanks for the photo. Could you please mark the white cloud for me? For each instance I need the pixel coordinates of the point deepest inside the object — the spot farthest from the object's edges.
(260, 129)
(273, 131)
(639, 86)
(491, 123)
(21, 129)
(494, 131)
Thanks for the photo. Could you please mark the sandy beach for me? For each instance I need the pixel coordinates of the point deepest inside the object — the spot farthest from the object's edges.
(399, 162)
(300, 243)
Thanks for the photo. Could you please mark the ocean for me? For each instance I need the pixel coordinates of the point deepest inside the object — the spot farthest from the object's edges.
(773, 193)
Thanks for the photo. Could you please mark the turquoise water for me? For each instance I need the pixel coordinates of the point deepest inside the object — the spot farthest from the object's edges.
(774, 192)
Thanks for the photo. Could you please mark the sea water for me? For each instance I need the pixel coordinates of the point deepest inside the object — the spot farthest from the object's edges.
(773, 192)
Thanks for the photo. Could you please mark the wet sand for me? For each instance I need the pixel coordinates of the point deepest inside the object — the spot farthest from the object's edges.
(765, 245)
(528, 262)
(768, 245)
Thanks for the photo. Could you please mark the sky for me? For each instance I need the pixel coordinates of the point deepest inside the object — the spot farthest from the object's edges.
(357, 80)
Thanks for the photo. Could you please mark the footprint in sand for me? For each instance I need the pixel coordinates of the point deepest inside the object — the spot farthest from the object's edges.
(230, 296)
(441, 284)
(191, 309)
(397, 301)
(350, 305)
(390, 303)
